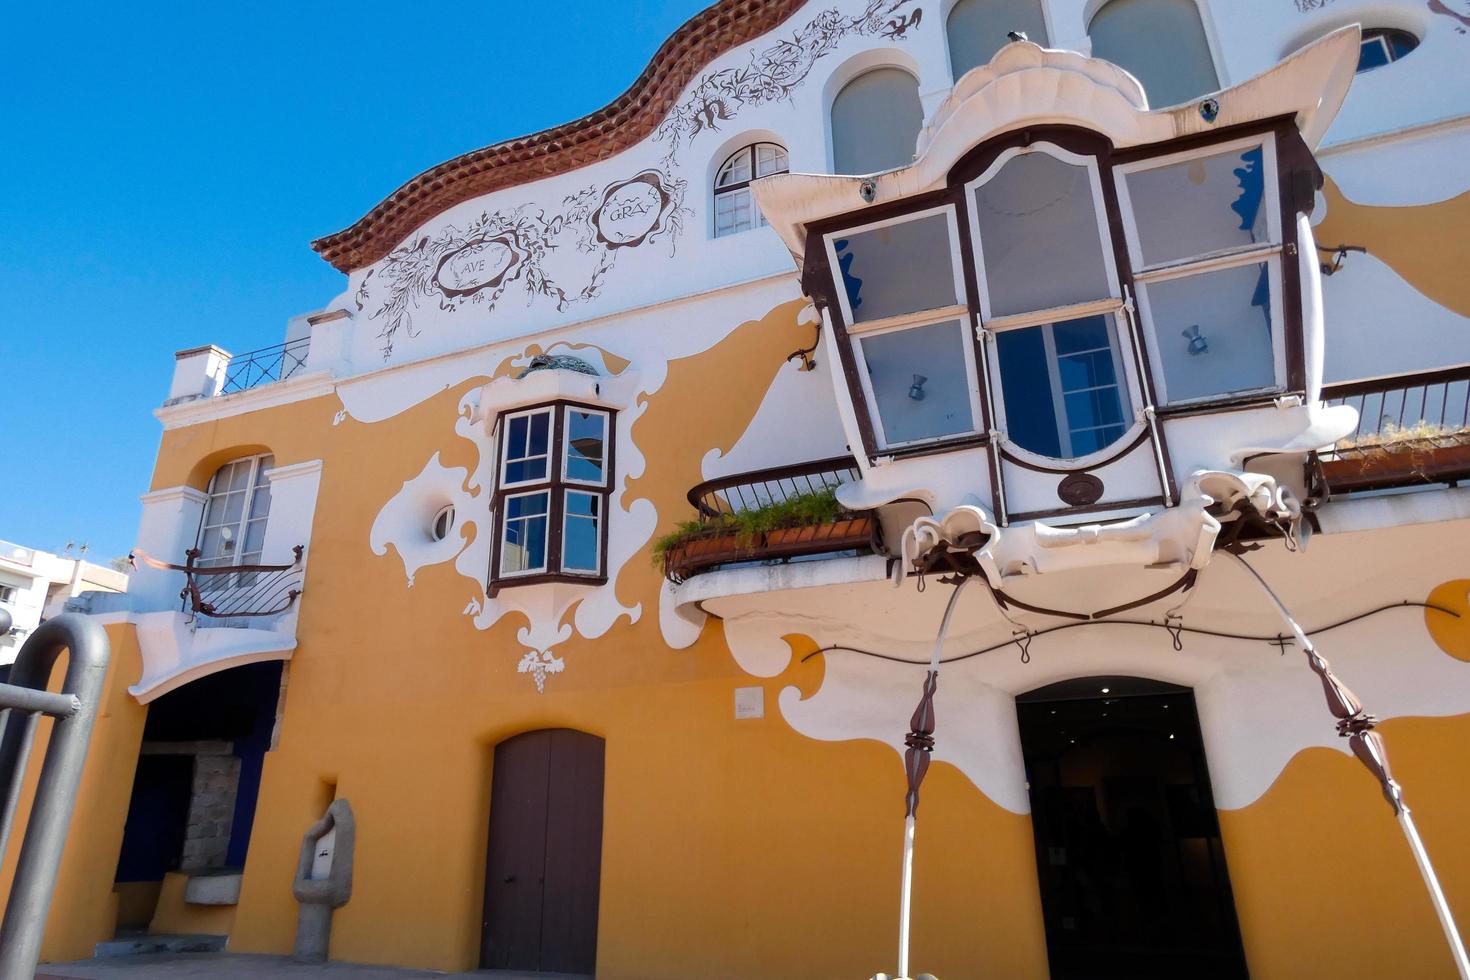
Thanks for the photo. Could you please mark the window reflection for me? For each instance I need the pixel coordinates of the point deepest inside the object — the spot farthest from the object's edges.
(899, 268)
(586, 441)
(1213, 331)
(523, 547)
(1062, 386)
(580, 538)
(919, 381)
(1199, 206)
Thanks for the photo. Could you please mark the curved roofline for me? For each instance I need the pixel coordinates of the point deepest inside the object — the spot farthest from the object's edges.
(615, 127)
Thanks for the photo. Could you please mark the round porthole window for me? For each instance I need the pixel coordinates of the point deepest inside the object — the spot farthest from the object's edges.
(443, 523)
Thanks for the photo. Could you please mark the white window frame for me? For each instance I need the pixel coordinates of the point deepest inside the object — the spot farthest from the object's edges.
(1130, 387)
(757, 217)
(446, 513)
(598, 526)
(8, 593)
(566, 447)
(505, 460)
(1270, 252)
(504, 524)
(242, 526)
(905, 321)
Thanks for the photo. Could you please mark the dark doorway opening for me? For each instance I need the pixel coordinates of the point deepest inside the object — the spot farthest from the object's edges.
(1132, 871)
(543, 865)
(196, 785)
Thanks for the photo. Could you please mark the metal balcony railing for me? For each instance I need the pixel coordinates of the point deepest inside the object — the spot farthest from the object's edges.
(233, 591)
(725, 539)
(1413, 429)
(265, 366)
(760, 488)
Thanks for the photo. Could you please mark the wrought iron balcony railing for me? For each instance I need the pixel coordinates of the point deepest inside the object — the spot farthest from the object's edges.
(1413, 429)
(265, 366)
(233, 591)
(769, 515)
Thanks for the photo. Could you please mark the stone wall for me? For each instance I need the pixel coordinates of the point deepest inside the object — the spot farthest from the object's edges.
(211, 811)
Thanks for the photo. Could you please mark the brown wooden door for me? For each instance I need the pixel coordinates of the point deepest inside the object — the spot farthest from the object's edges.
(544, 860)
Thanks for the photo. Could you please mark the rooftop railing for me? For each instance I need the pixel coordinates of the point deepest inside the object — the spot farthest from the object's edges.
(1413, 429)
(265, 366)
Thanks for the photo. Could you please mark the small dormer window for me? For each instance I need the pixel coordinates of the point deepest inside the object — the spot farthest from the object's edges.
(1382, 45)
(551, 504)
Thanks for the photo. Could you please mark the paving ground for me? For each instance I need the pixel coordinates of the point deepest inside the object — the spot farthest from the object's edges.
(238, 966)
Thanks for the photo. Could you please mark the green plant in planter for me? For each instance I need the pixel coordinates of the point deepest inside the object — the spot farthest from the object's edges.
(801, 510)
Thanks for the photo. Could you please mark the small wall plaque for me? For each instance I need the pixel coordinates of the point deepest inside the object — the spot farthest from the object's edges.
(750, 702)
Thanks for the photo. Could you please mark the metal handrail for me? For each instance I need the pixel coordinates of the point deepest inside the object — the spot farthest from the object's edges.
(759, 488)
(74, 711)
(1439, 398)
(265, 366)
(269, 590)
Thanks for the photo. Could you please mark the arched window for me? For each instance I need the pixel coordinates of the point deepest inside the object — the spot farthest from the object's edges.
(232, 530)
(1162, 42)
(735, 209)
(977, 29)
(1382, 45)
(875, 122)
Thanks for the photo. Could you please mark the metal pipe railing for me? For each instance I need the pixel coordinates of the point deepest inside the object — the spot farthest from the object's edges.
(74, 711)
(1437, 400)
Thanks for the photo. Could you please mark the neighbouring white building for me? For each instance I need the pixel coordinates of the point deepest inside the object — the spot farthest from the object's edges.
(35, 585)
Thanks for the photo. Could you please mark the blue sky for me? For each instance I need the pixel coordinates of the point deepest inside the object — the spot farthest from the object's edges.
(164, 166)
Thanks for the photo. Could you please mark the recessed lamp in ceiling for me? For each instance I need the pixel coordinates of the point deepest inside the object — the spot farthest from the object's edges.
(1106, 690)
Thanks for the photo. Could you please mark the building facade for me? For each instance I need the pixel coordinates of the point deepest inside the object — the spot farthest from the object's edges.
(36, 585)
(593, 541)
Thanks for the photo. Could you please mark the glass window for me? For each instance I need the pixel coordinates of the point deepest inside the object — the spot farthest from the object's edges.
(876, 119)
(581, 541)
(586, 446)
(1161, 42)
(898, 268)
(735, 208)
(977, 29)
(919, 379)
(1382, 45)
(527, 447)
(232, 529)
(1194, 207)
(1213, 331)
(523, 541)
(1037, 212)
(1062, 386)
(443, 522)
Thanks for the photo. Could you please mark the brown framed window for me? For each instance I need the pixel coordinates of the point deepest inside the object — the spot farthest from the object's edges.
(735, 209)
(554, 477)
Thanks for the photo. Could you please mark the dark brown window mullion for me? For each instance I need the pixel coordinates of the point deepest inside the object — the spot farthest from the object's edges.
(980, 345)
(556, 492)
(1297, 177)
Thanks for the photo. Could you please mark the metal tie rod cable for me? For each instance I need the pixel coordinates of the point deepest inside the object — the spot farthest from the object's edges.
(1356, 725)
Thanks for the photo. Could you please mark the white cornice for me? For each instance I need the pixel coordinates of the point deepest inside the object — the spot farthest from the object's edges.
(294, 389)
(168, 494)
(293, 470)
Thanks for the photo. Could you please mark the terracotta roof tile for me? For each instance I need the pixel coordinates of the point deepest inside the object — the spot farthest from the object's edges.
(615, 127)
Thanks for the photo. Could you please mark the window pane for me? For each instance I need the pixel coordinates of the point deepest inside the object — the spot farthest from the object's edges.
(736, 169)
(239, 475)
(211, 546)
(254, 537)
(234, 507)
(1061, 387)
(580, 538)
(977, 29)
(267, 463)
(260, 501)
(876, 120)
(1201, 205)
(1372, 54)
(1038, 213)
(526, 447)
(896, 269)
(919, 381)
(1231, 310)
(523, 544)
(732, 212)
(770, 159)
(1161, 42)
(586, 446)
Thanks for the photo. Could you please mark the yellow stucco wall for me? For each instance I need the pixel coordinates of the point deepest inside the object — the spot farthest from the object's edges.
(731, 848)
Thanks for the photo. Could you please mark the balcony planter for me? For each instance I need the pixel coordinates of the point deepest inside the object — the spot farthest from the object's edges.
(1405, 462)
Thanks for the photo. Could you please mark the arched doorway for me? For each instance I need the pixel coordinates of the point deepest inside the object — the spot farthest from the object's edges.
(1132, 871)
(543, 866)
